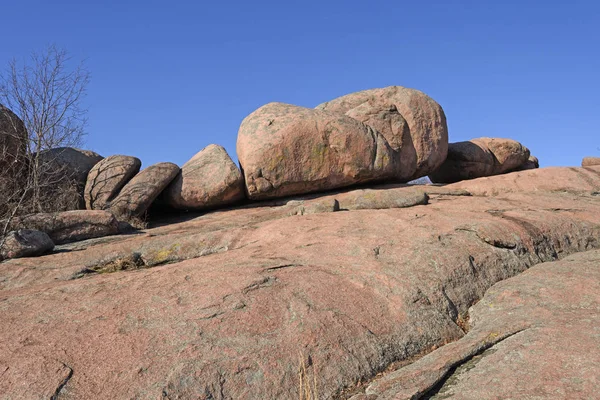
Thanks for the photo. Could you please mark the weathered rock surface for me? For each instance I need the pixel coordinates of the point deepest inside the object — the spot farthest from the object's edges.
(590, 161)
(480, 157)
(107, 178)
(532, 336)
(70, 226)
(13, 141)
(25, 243)
(236, 300)
(286, 150)
(74, 163)
(412, 122)
(139, 193)
(552, 179)
(209, 179)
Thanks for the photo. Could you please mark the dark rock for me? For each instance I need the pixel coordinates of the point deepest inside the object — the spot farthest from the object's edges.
(480, 157)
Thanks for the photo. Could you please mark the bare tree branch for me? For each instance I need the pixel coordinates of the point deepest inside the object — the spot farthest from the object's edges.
(46, 92)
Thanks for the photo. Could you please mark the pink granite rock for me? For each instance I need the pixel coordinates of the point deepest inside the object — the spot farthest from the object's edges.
(412, 122)
(209, 179)
(286, 150)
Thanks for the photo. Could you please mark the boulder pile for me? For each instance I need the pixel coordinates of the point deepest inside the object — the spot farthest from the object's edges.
(467, 289)
(384, 135)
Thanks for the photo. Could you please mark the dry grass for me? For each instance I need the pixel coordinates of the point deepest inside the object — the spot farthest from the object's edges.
(307, 379)
(463, 322)
(131, 262)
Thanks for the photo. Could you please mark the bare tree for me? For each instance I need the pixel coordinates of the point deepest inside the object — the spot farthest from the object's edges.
(46, 93)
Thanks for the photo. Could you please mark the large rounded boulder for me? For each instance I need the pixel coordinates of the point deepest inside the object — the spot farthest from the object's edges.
(209, 179)
(481, 157)
(69, 162)
(413, 123)
(107, 178)
(13, 141)
(286, 150)
(139, 193)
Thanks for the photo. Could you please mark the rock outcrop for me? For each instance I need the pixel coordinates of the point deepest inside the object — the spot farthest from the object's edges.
(480, 157)
(139, 193)
(234, 304)
(107, 178)
(25, 243)
(412, 122)
(590, 161)
(532, 336)
(13, 141)
(286, 150)
(209, 179)
(70, 226)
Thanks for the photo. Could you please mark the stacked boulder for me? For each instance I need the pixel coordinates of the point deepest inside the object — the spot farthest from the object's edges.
(389, 134)
(106, 179)
(210, 179)
(481, 157)
(139, 193)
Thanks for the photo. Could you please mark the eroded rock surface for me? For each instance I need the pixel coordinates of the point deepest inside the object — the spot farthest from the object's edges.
(532, 336)
(230, 304)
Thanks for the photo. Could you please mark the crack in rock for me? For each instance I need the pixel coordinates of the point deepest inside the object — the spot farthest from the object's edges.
(64, 382)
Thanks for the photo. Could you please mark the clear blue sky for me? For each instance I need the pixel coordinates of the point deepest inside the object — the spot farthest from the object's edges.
(169, 78)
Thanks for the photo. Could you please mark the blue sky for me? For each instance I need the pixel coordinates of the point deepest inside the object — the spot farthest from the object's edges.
(169, 78)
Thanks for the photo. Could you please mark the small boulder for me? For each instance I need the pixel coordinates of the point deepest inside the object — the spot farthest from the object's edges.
(107, 178)
(286, 150)
(139, 193)
(25, 243)
(480, 157)
(209, 179)
(590, 161)
(413, 123)
(70, 226)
